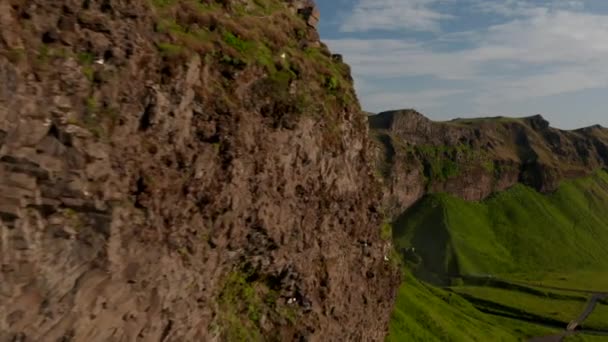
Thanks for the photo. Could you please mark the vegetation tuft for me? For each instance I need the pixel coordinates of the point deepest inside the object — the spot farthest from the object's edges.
(245, 300)
(426, 313)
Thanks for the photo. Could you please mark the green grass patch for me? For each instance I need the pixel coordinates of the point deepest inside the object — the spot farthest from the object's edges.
(91, 105)
(43, 54)
(525, 303)
(576, 280)
(245, 304)
(169, 26)
(88, 72)
(425, 313)
(442, 162)
(586, 338)
(86, 64)
(86, 58)
(488, 165)
(248, 52)
(598, 320)
(237, 43)
(241, 308)
(265, 7)
(386, 231)
(332, 83)
(170, 50)
(162, 3)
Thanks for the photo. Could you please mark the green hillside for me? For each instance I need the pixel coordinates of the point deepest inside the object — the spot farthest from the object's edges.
(520, 254)
(517, 233)
(426, 313)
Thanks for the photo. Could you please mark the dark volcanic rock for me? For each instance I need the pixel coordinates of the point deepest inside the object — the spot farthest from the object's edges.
(163, 183)
(472, 158)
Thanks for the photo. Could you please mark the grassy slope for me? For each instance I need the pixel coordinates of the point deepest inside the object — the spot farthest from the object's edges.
(557, 309)
(558, 240)
(586, 338)
(579, 280)
(519, 231)
(598, 319)
(426, 313)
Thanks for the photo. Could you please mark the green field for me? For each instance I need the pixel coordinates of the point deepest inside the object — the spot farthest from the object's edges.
(586, 338)
(598, 320)
(561, 310)
(427, 313)
(550, 248)
(519, 232)
(576, 280)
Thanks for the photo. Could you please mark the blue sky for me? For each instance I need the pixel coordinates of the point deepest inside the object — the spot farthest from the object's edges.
(465, 58)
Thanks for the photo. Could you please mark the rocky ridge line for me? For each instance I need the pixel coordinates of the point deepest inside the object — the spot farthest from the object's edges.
(473, 158)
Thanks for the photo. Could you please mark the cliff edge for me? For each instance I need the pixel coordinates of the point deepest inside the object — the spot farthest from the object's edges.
(184, 171)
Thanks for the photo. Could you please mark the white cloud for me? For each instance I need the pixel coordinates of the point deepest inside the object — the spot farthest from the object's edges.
(393, 15)
(541, 51)
(421, 100)
(524, 8)
(423, 15)
(535, 86)
(391, 58)
(550, 37)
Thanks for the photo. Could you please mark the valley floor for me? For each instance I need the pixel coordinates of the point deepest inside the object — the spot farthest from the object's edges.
(518, 266)
(497, 310)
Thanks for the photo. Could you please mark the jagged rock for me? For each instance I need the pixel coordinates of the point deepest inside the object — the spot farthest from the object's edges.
(473, 158)
(308, 10)
(185, 195)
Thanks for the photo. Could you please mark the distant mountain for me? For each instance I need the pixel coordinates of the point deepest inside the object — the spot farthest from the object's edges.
(473, 158)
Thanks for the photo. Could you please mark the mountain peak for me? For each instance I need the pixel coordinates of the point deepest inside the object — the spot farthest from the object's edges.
(394, 118)
(473, 158)
(537, 122)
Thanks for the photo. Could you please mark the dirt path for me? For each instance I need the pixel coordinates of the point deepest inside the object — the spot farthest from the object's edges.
(588, 310)
(571, 328)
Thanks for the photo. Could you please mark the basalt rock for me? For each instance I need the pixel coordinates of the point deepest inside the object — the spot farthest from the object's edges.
(166, 174)
(473, 158)
(308, 10)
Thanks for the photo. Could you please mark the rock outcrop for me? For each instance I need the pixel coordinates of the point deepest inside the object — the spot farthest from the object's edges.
(473, 158)
(308, 10)
(183, 171)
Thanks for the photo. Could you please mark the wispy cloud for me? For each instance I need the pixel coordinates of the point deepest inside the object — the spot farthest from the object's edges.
(392, 58)
(542, 49)
(421, 100)
(393, 15)
(524, 8)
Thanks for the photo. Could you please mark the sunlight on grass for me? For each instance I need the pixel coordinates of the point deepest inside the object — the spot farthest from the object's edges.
(529, 250)
(425, 313)
(519, 231)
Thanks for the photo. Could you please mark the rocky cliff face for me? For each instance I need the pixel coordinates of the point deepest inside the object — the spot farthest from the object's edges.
(183, 171)
(476, 157)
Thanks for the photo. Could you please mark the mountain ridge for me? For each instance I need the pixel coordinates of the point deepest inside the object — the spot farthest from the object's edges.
(473, 158)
